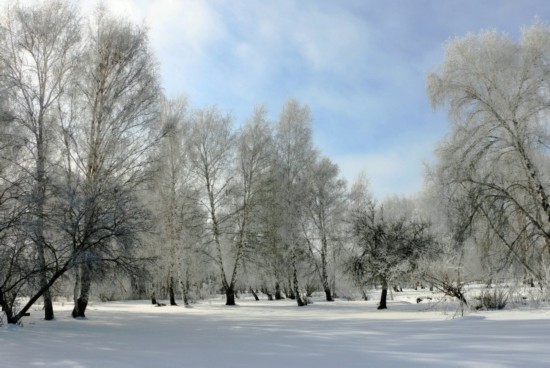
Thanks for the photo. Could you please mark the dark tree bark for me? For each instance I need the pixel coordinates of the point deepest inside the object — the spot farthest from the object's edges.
(384, 295)
(266, 292)
(290, 292)
(171, 291)
(7, 308)
(185, 291)
(297, 295)
(230, 295)
(278, 295)
(85, 286)
(254, 294)
(153, 298)
(328, 295)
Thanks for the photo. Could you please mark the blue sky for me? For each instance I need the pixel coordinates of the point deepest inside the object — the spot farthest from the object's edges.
(359, 64)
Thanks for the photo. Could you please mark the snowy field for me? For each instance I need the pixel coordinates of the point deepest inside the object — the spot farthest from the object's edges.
(279, 334)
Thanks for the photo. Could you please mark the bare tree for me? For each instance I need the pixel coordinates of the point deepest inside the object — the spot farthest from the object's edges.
(37, 57)
(295, 156)
(252, 181)
(16, 263)
(170, 189)
(388, 247)
(496, 93)
(108, 144)
(326, 209)
(211, 151)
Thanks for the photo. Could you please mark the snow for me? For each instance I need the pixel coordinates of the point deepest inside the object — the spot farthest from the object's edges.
(279, 334)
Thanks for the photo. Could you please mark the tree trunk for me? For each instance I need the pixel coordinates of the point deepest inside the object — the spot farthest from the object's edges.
(324, 266)
(12, 320)
(297, 295)
(76, 289)
(85, 286)
(254, 294)
(290, 294)
(7, 308)
(266, 292)
(328, 295)
(184, 291)
(153, 298)
(41, 242)
(48, 306)
(171, 291)
(47, 297)
(333, 286)
(384, 295)
(278, 295)
(230, 295)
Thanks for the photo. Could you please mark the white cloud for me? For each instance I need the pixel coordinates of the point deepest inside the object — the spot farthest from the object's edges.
(183, 24)
(332, 42)
(388, 173)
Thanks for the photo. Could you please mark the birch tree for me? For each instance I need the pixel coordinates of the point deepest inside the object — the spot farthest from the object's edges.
(170, 187)
(211, 151)
(295, 155)
(495, 91)
(37, 56)
(16, 265)
(252, 182)
(118, 93)
(326, 208)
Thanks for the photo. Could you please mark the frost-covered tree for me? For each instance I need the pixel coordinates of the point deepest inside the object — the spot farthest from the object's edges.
(252, 182)
(178, 216)
(387, 246)
(295, 156)
(323, 225)
(107, 145)
(38, 53)
(495, 91)
(169, 188)
(16, 262)
(211, 152)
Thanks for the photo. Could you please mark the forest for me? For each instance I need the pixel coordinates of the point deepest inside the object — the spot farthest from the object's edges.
(109, 190)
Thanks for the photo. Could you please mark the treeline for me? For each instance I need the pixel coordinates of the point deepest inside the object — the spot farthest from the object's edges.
(103, 178)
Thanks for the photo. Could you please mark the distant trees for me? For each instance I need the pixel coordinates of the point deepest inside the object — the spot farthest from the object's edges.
(495, 91)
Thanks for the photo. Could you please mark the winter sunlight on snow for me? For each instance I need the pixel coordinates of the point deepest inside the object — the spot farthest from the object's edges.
(276, 334)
